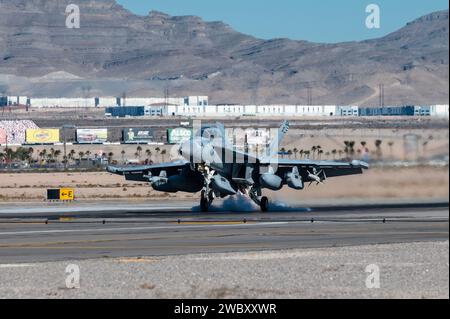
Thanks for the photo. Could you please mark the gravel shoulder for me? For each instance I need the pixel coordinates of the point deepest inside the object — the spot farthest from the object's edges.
(415, 270)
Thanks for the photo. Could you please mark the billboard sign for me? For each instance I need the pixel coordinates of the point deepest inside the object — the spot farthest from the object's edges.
(179, 135)
(42, 136)
(138, 135)
(3, 137)
(92, 136)
(258, 136)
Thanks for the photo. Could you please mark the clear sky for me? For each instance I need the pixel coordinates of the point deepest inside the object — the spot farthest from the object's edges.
(312, 20)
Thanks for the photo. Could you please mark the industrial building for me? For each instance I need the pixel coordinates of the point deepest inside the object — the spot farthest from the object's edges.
(100, 102)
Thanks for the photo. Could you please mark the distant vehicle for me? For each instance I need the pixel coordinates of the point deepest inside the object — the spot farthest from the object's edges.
(216, 169)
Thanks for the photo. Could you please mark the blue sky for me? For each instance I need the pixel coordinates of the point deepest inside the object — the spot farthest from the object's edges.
(312, 20)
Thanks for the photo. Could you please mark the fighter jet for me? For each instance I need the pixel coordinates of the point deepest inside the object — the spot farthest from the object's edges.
(212, 166)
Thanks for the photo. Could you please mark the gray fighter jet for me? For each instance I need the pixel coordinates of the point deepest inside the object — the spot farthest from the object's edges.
(214, 167)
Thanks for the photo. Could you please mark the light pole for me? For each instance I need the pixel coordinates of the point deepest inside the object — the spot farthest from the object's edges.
(64, 127)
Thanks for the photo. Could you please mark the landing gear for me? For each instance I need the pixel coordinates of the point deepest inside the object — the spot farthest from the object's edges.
(207, 196)
(264, 204)
(206, 201)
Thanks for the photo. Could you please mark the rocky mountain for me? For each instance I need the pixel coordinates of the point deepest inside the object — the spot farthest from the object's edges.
(116, 52)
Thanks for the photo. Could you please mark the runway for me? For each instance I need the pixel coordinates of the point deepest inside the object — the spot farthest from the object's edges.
(59, 233)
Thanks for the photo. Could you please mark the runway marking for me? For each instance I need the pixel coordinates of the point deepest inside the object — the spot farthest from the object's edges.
(62, 231)
(16, 266)
(69, 244)
(215, 223)
(115, 209)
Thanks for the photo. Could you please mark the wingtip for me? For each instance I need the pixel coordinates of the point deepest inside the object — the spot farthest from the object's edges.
(361, 164)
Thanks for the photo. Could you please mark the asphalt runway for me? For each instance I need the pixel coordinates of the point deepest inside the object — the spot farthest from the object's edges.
(59, 233)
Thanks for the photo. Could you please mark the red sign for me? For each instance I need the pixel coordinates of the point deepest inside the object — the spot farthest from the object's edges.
(2, 136)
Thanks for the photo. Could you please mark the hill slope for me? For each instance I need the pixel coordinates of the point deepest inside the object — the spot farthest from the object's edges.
(116, 51)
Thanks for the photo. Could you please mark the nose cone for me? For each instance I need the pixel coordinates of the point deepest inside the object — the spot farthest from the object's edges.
(191, 151)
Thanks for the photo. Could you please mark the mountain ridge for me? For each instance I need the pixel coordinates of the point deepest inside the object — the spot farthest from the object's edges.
(116, 52)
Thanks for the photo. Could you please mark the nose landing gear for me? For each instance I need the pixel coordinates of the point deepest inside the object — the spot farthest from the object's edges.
(206, 201)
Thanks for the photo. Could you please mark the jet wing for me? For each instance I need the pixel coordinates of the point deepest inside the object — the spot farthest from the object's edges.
(141, 173)
(329, 168)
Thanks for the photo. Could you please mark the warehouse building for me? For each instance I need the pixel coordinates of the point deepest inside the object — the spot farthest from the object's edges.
(103, 102)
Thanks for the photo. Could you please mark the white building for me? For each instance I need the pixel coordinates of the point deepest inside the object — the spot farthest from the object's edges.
(347, 111)
(250, 110)
(109, 101)
(439, 110)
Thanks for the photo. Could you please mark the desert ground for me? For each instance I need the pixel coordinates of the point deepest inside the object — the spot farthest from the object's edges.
(423, 182)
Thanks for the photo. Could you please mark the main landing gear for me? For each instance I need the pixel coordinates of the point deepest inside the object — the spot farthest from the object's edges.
(206, 201)
(263, 202)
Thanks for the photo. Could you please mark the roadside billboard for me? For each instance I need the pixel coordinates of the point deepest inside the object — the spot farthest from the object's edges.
(138, 135)
(42, 136)
(92, 136)
(3, 136)
(178, 135)
(258, 136)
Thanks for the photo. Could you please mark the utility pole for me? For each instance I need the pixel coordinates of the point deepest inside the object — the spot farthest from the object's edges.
(309, 96)
(381, 91)
(64, 127)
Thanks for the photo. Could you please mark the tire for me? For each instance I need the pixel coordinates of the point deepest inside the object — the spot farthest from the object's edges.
(204, 203)
(264, 204)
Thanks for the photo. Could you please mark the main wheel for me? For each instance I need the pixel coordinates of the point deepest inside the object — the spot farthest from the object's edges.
(264, 204)
(204, 203)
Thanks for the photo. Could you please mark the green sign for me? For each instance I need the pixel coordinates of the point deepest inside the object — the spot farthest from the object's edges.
(178, 135)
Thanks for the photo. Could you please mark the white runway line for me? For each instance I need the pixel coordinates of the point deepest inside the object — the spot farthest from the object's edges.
(17, 266)
(75, 209)
(62, 231)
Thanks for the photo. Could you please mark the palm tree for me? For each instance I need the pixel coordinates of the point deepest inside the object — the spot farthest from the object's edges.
(149, 154)
(319, 151)
(320, 154)
(295, 150)
(157, 150)
(44, 153)
(57, 154)
(80, 155)
(334, 152)
(379, 152)
(313, 150)
(71, 155)
(110, 157)
(290, 152)
(139, 151)
(391, 151)
(163, 153)
(123, 156)
(302, 152)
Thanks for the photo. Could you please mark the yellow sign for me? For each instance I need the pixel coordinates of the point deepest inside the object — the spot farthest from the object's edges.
(38, 136)
(66, 194)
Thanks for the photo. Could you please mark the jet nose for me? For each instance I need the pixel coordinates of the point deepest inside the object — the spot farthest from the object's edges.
(184, 150)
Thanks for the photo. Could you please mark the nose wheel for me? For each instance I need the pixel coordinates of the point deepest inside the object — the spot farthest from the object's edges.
(206, 201)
